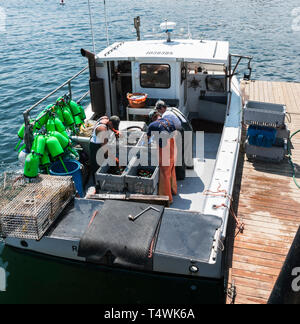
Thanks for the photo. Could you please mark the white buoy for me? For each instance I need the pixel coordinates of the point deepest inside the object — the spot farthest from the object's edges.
(22, 157)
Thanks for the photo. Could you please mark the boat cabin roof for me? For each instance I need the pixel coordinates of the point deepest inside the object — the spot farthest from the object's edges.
(187, 50)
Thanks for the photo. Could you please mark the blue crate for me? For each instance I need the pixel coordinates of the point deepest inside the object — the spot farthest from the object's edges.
(262, 136)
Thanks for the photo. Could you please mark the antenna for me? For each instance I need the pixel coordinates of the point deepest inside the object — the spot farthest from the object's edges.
(189, 30)
(106, 26)
(168, 27)
(202, 37)
(137, 24)
(92, 29)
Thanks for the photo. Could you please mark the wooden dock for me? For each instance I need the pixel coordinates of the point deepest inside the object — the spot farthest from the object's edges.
(268, 202)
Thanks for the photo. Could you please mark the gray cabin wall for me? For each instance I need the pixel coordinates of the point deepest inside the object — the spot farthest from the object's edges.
(204, 104)
(102, 72)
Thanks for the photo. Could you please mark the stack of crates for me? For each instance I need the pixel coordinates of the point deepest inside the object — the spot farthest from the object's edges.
(137, 184)
(109, 182)
(268, 135)
(130, 146)
(123, 148)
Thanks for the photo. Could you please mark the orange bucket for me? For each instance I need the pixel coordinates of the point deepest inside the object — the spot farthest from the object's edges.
(137, 100)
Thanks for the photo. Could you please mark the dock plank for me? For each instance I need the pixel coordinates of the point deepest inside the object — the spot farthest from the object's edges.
(250, 300)
(254, 260)
(263, 241)
(242, 265)
(268, 202)
(260, 254)
(251, 275)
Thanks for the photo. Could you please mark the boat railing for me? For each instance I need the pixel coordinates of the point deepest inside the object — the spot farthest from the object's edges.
(233, 71)
(26, 114)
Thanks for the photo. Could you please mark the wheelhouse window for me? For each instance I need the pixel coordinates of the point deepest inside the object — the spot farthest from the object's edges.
(155, 76)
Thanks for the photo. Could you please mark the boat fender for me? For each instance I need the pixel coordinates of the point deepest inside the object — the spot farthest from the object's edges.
(59, 126)
(74, 107)
(45, 161)
(40, 145)
(50, 125)
(21, 133)
(78, 121)
(22, 157)
(65, 134)
(43, 121)
(59, 113)
(23, 147)
(54, 147)
(69, 120)
(31, 168)
(82, 114)
(63, 141)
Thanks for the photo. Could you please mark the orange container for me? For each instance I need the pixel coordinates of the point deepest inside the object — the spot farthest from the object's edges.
(137, 100)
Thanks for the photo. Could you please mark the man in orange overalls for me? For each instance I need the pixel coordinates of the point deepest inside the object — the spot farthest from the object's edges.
(167, 154)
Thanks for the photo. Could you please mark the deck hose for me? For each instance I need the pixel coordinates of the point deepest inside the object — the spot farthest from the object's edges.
(291, 159)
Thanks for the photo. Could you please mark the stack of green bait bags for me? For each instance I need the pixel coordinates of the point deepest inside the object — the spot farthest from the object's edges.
(51, 131)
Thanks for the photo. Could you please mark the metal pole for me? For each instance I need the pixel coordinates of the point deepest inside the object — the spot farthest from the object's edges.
(106, 25)
(137, 24)
(70, 90)
(235, 68)
(92, 29)
(28, 137)
(229, 84)
(83, 97)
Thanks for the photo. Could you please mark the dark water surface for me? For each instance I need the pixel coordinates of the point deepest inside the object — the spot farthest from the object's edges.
(40, 49)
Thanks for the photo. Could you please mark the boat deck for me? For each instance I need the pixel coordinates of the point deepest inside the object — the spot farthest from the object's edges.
(268, 202)
(190, 191)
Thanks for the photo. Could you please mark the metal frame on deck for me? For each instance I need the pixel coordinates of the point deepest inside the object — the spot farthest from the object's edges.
(231, 73)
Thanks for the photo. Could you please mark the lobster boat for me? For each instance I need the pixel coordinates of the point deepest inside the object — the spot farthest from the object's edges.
(119, 222)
